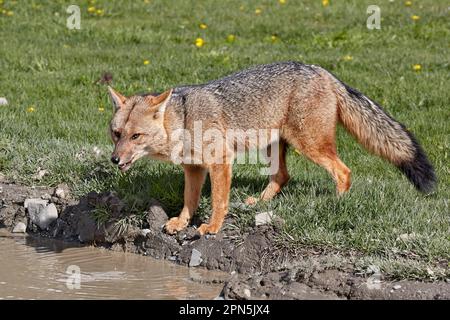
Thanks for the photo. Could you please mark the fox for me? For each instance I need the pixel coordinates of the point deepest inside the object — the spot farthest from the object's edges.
(303, 102)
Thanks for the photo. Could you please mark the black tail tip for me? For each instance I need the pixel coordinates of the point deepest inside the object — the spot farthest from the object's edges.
(420, 171)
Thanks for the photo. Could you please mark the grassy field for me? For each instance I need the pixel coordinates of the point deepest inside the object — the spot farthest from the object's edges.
(58, 112)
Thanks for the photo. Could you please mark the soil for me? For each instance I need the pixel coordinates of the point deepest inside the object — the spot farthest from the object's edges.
(260, 266)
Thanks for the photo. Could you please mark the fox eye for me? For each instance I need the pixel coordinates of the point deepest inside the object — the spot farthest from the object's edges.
(135, 136)
(117, 134)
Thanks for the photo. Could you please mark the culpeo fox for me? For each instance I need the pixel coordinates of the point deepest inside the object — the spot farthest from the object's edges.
(303, 102)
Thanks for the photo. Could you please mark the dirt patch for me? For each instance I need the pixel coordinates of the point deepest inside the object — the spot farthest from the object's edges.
(260, 266)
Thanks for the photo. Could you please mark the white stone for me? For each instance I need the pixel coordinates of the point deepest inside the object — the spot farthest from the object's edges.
(20, 228)
(264, 218)
(3, 101)
(196, 258)
(396, 287)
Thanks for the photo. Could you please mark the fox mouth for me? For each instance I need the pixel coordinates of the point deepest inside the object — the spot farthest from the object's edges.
(125, 166)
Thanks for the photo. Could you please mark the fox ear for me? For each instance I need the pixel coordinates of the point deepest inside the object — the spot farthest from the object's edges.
(117, 99)
(159, 102)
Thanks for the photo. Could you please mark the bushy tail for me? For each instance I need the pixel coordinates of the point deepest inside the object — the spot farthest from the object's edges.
(384, 136)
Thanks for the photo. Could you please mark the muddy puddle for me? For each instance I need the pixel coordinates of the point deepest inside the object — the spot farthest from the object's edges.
(32, 268)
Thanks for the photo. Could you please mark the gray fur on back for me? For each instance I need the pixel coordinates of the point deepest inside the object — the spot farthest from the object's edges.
(236, 97)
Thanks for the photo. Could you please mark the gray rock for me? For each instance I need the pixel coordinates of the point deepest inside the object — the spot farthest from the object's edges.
(40, 213)
(62, 191)
(34, 202)
(144, 232)
(20, 228)
(196, 258)
(156, 216)
(264, 218)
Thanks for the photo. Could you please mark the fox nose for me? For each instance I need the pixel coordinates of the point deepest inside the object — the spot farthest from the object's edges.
(115, 159)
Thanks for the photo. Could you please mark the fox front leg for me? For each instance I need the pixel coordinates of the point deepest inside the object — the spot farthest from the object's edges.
(194, 178)
(220, 175)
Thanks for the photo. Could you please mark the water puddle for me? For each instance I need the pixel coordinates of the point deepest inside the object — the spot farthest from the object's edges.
(32, 268)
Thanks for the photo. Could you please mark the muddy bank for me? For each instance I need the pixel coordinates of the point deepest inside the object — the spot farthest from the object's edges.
(260, 266)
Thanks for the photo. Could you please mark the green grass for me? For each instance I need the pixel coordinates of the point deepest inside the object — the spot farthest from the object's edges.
(55, 70)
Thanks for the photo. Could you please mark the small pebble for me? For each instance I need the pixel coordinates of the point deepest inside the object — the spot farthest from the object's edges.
(144, 232)
(46, 196)
(263, 218)
(196, 258)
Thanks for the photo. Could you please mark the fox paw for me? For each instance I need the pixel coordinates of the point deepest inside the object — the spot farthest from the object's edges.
(208, 229)
(174, 225)
(251, 201)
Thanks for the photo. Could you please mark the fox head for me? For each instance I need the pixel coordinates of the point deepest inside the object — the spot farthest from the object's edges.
(137, 127)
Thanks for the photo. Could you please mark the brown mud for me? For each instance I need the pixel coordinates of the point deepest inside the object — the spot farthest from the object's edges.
(260, 266)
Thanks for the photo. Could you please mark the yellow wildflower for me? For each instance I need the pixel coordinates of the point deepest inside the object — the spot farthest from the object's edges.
(100, 12)
(408, 3)
(415, 17)
(9, 13)
(273, 38)
(203, 26)
(282, 1)
(146, 62)
(231, 38)
(101, 109)
(258, 11)
(347, 58)
(91, 9)
(325, 3)
(31, 109)
(417, 67)
(199, 42)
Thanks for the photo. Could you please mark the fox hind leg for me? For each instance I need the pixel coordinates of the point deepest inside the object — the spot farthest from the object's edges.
(323, 152)
(277, 181)
(338, 170)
